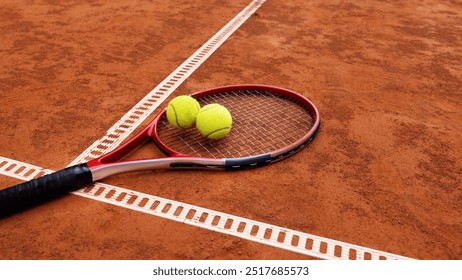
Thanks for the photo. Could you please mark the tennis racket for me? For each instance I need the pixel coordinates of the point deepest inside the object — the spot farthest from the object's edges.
(269, 124)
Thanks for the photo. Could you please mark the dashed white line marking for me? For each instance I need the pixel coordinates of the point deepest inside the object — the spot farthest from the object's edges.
(283, 238)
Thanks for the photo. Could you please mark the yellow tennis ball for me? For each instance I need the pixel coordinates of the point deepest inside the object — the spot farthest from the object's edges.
(182, 111)
(214, 121)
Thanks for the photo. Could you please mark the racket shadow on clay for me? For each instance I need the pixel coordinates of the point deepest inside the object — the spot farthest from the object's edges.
(269, 125)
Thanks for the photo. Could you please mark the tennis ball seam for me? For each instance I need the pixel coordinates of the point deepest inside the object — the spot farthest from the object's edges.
(182, 111)
(176, 117)
(218, 130)
(208, 108)
(174, 112)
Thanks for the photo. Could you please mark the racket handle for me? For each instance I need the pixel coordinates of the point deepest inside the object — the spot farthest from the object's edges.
(28, 194)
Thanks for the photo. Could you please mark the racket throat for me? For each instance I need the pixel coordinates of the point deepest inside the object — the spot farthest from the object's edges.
(101, 171)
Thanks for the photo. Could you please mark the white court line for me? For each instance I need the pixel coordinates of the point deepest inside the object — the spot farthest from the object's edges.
(279, 237)
(133, 118)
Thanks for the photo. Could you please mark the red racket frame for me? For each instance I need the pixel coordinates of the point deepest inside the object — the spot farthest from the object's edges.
(36, 191)
(100, 166)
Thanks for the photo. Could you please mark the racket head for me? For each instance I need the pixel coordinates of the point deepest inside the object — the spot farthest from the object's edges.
(269, 124)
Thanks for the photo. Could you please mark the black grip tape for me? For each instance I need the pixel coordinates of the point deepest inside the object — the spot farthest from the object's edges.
(28, 194)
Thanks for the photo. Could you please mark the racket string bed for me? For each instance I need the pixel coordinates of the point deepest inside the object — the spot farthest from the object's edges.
(273, 111)
(263, 122)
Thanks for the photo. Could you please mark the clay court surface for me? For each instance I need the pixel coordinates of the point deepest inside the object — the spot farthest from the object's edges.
(384, 171)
